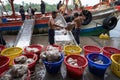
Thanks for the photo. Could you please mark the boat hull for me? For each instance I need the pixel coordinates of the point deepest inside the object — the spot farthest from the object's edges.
(14, 26)
(92, 31)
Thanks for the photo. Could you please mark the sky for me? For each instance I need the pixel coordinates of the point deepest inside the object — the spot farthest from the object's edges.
(84, 2)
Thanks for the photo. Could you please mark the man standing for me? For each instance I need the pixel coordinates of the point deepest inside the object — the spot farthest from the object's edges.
(52, 26)
(22, 12)
(77, 22)
(30, 10)
(42, 5)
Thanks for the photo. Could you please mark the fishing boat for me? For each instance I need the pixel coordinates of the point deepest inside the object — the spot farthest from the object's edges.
(100, 18)
(90, 26)
(13, 22)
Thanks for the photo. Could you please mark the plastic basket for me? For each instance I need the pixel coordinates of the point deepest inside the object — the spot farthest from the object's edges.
(4, 64)
(31, 66)
(39, 47)
(54, 45)
(96, 68)
(12, 53)
(108, 51)
(115, 66)
(53, 67)
(91, 49)
(73, 71)
(72, 49)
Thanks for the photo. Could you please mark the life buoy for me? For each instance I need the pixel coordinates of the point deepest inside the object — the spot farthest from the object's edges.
(109, 23)
(88, 17)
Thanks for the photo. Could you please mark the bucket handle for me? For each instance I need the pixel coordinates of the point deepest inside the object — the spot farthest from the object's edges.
(34, 57)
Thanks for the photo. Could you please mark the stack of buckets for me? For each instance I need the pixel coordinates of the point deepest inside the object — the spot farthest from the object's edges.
(54, 67)
(73, 52)
(76, 72)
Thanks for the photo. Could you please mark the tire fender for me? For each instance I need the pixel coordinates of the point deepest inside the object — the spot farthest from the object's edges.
(110, 23)
(88, 16)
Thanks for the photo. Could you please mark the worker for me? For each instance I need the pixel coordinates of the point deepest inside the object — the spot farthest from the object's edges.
(52, 26)
(77, 24)
(22, 12)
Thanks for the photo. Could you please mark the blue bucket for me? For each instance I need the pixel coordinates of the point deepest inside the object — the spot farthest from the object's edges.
(54, 67)
(4, 20)
(98, 68)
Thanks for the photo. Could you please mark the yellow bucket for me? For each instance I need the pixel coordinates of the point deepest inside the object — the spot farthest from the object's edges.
(115, 66)
(12, 53)
(72, 49)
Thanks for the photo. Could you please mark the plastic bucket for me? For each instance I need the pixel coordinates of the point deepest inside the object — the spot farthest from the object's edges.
(108, 51)
(53, 67)
(4, 64)
(39, 47)
(12, 53)
(91, 49)
(54, 45)
(115, 66)
(73, 71)
(31, 66)
(98, 68)
(72, 49)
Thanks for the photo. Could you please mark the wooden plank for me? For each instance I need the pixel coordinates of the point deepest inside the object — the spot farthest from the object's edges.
(25, 34)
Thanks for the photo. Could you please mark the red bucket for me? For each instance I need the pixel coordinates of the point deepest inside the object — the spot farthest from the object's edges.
(91, 49)
(54, 45)
(74, 71)
(31, 66)
(39, 47)
(4, 64)
(108, 51)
